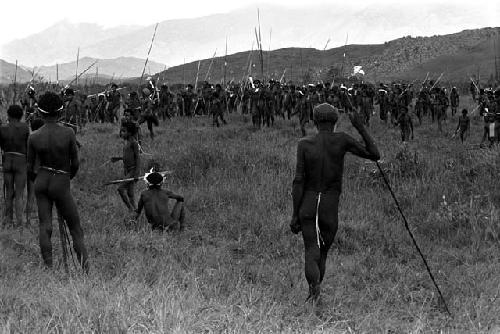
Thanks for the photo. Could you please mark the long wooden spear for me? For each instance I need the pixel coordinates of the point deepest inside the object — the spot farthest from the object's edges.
(245, 74)
(210, 66)
(96, 74)
(147, 57)
(225, 65)
(163, 173)
(197, 73)
(269, 55)
(258, 48)
(77, 60)
(83, 72)
(343, 60)
(15, 85)
(437, 80)
(184, 73)
(259, 41)
(326, 45)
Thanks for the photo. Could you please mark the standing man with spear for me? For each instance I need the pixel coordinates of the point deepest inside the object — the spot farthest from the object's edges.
(53, 147)
(317, 186)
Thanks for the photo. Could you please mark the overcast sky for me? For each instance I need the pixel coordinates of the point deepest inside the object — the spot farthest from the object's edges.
(26, 17)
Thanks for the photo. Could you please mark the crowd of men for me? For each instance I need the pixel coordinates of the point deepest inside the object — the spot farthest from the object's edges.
(398, 103)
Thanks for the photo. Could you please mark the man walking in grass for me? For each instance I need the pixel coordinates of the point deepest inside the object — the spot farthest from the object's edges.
(317, 186)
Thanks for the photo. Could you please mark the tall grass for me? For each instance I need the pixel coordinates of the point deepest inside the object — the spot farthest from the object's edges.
(237, 268)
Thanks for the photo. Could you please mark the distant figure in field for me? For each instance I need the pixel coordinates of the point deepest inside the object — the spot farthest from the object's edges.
(147, 114)
(14, 144)
(154, 200)
(454, 100)
(317, 186)
(405, 124)
(131, 163)
(463, 125)
(54, 147)
(72, 110)
(491, 129)
(114, 99)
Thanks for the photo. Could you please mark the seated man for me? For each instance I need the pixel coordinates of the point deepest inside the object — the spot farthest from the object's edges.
(154, 200)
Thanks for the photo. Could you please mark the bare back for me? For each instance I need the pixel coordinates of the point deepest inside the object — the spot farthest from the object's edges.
(55, 147)
(320, 160)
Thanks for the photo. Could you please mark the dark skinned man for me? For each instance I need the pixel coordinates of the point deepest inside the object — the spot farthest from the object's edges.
(55, 148)
(14, 144)
(317, 186)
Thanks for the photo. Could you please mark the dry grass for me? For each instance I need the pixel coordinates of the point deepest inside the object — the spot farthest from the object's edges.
(237, 268)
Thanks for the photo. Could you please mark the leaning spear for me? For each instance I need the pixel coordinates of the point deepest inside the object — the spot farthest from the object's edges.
(15, 85)
(413, 239)
(210, 66)
(82, 73)
(77, 60)
(149, 51)
(197, 73)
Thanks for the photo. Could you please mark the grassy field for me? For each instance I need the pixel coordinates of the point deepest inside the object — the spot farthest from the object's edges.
(237, 268)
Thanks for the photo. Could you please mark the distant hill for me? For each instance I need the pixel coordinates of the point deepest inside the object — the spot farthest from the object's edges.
(458, 55)
(8, 70)
(119, 68)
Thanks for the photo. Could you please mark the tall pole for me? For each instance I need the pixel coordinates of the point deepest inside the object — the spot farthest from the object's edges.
(225, 65)
(496, 62)
(269, 55)
(197, 73)
(301, 67)
(184, 73)
(147, 57)
(76, 70)
(259, 41)
(57, 74)
(210, 66)
(15, 85)
(343, 60)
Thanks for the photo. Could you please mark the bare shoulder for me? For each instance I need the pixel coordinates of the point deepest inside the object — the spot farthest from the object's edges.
(307, 140)
(343, 135)
(36, 134)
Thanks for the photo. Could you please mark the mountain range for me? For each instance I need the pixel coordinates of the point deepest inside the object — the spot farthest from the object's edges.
(103, 70)
(186, 40)
(8, 73)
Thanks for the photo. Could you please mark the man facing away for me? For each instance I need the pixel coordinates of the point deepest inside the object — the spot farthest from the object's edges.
(317, 186)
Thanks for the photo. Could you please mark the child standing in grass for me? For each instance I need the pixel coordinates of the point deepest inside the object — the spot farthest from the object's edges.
(154, 200)
(463, 125)
(405, 124)
(131, 163)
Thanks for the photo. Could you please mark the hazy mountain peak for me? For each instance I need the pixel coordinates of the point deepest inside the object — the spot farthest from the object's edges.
(192, 39)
